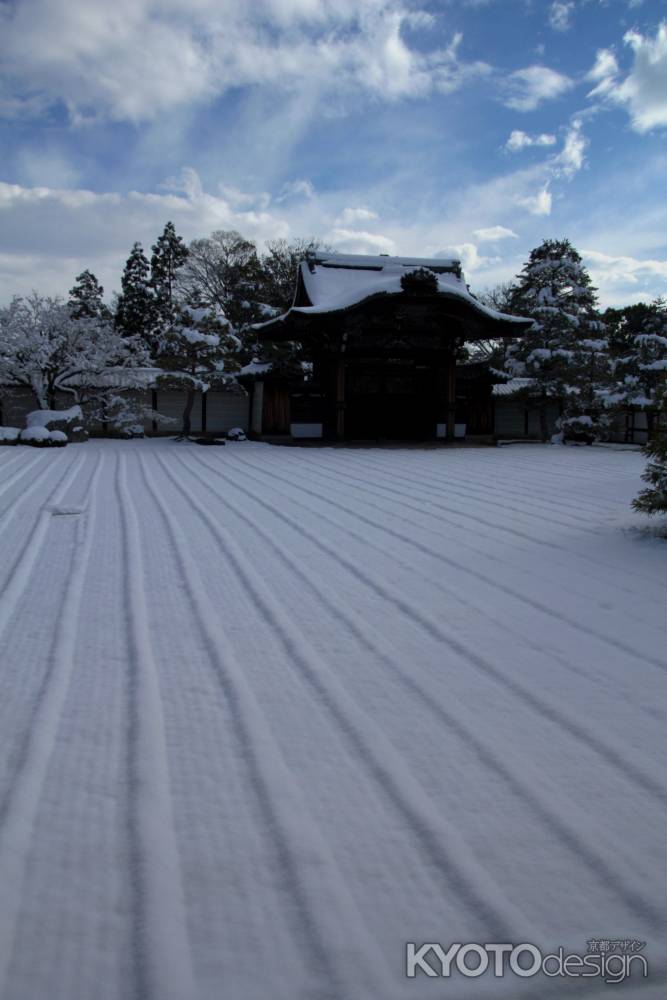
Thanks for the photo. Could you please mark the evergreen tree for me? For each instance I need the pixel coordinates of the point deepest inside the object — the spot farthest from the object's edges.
(86, 298)
(169, 255)
(653, 500)
(640, 364)
(196, 351)
(564, 354)
(135, 310)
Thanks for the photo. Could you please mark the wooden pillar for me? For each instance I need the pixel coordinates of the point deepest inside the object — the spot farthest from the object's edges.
(451, 395)
(340, 399)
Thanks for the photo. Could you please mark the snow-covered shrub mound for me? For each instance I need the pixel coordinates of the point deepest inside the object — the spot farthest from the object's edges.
(44, 418)
(9, 435)
(69, 422)
(42, 437)
(132, 431)
(236, 434)
(58, 439)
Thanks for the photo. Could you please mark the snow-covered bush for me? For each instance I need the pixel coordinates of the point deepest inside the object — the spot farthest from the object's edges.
(67, 422)
(236, 434)
(9, 435)
(42, 437)
(124, 415)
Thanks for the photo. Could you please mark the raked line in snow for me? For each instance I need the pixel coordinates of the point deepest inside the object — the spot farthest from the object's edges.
(492, 500)
(382, 492)
(446, 474)
(529, 783)
(8, 478)
(162, 947)
(470, 602)
(438, 836)
(8, 514)
(436, 628)
(21, 570)
(19, 810)
(532, 602)
(330, 918)
(496, 526)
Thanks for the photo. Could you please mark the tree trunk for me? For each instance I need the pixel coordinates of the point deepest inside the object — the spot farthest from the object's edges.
(544, 432)
(187, 413)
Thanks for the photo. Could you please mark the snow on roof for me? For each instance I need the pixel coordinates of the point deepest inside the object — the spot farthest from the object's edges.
(336, 282)
(357, 260)
(511, 387)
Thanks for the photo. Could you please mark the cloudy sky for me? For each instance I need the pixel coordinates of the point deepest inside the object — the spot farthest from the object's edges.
(474, 127)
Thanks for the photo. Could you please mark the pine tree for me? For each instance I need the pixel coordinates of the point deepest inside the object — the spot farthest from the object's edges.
(86, 298)
(653, 500)
(564, 354)
(135, 311)
(640, 362)
(169, 255)
(197, 350)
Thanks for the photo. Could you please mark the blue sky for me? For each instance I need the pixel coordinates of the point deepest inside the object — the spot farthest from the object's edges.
(476, 127)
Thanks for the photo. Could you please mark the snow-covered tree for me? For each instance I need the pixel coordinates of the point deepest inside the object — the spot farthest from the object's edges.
(135, 310)
(45, 349)
(197, 350)
(168, 257)
(86, 298)
(565, 353)
(640, 365)
(125, 414)
(653, 500)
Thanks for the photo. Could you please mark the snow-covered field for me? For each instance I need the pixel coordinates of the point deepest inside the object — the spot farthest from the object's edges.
(267, 714)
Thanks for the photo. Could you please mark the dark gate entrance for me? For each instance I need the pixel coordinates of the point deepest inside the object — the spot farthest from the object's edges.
(393, 400)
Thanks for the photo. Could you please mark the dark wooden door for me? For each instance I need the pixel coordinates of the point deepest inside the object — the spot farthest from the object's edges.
(389, 401)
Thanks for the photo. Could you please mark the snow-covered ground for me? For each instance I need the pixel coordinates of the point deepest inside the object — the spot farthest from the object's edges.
(268, 714)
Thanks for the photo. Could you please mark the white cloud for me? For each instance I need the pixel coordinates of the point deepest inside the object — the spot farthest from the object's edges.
(536, 204)
(359, 241)
(493, 234)
(350, 216)
(643, 92)
(560, 14)
(300, 188)
(625, 279)
(520, 140)
(80, 229)
(603, 72)
(135, 60)
(468, 254)
(571, 158)
(527, 88)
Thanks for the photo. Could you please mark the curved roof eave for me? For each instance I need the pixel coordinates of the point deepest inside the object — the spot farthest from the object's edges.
(496, 319)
